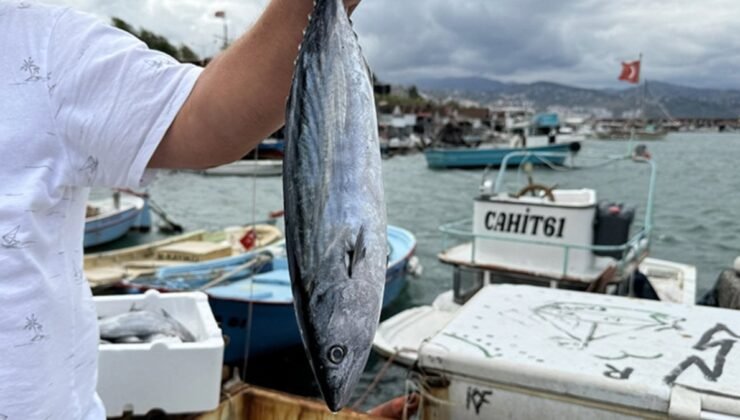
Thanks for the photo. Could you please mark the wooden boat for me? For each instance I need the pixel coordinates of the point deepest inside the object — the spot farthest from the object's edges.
(109, 219)
(106, 269)
(482, 156)
(250, 402)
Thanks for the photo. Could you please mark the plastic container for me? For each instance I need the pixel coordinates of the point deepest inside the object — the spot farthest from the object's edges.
(173, 377)
(613, 222)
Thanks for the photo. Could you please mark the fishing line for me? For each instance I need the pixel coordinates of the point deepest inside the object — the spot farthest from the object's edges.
(248, 340)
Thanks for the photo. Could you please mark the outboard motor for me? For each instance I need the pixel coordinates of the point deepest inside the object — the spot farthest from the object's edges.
(612, 227)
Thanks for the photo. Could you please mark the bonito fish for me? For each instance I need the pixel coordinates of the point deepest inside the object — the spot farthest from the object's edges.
(334, 207)
(142, 326)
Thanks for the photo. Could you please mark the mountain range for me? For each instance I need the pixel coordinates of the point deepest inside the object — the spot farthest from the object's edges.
(662, 100)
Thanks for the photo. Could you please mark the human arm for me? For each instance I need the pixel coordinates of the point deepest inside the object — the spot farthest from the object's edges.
(240, 97)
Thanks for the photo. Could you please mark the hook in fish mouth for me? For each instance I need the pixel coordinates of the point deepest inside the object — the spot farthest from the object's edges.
(337, 354)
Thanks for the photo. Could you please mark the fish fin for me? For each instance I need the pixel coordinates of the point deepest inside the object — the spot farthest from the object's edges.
(356, 252)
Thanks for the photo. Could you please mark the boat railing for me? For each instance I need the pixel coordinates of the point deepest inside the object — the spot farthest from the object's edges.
(631, 251)
(487, 185)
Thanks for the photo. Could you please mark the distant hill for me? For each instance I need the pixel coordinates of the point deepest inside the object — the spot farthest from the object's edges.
(678, 101)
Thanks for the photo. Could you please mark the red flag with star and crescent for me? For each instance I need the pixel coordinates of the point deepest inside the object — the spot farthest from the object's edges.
(631, 72)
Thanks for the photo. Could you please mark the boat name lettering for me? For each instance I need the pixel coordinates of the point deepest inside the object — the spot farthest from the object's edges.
(525, 224)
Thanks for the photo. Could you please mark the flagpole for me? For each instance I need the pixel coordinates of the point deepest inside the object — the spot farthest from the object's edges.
(638, 108)
(222, 15)
(226, 34)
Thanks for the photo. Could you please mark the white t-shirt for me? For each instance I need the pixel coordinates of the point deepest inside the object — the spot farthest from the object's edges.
(81, 104)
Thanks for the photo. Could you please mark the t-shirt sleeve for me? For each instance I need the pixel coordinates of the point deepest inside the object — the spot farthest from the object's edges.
(112, 99)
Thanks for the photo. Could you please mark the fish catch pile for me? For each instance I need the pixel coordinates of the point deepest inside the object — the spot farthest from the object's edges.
(143, 326)
(335, 218)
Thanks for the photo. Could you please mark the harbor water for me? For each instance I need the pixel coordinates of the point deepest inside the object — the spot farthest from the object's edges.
(696, 220)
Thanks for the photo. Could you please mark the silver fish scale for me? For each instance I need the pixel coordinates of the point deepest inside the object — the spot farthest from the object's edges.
(334, 205)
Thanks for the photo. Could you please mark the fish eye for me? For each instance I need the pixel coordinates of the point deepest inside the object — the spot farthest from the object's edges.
(336, 354)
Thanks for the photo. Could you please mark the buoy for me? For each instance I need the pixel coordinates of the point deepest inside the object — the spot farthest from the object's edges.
(737, 265)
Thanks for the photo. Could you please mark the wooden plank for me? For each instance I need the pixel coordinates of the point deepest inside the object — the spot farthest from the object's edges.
(258, 403)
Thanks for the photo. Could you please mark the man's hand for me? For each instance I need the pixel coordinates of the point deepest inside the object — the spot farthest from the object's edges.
(240, 98)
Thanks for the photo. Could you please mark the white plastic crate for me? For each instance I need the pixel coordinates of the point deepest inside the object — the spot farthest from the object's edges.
(173, 377)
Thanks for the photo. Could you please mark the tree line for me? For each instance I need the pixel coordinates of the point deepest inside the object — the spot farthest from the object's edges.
(157, 42)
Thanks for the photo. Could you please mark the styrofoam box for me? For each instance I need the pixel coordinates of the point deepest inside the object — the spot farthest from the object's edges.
(173, 377)
(533, 352)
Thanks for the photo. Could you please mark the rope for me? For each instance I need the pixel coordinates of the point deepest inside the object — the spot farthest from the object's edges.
(423, 390)
(377, 379)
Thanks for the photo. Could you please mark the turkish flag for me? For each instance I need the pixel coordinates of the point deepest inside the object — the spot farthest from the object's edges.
(630, 72)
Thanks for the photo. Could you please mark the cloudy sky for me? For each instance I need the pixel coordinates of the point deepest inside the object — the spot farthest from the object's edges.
(577, 42)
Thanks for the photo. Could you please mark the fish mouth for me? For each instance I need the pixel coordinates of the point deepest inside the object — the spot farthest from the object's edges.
(336, 398)
(337, 383)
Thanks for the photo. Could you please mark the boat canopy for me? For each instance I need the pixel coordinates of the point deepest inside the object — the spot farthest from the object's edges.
(546, 120)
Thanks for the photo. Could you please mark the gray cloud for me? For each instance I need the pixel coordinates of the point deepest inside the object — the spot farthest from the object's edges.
(578, 42)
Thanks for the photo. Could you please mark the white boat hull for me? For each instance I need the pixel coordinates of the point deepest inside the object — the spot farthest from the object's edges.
(113, 221)
(248, 168)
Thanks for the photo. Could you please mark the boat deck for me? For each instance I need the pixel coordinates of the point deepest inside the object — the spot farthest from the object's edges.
(461, 255)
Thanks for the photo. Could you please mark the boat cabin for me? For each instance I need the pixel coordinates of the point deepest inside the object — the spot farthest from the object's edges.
(546, 236)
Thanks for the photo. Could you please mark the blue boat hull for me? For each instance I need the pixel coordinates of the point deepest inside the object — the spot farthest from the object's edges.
(274, 326)
(481, 158)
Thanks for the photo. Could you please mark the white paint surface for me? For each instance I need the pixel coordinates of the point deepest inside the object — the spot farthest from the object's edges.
(616, 351)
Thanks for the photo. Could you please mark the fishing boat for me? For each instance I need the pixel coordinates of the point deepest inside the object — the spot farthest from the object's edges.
(624, 133)
(550, 237)
(272, 148)
(638, 127)
(525, 352)
(268, 298)
(458, 146)
(486, 155)
(240, 286)
(219, 248)
(109, 219)
(247, 168)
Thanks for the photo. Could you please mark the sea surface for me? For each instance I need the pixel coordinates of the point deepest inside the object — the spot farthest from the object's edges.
(696, 220)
